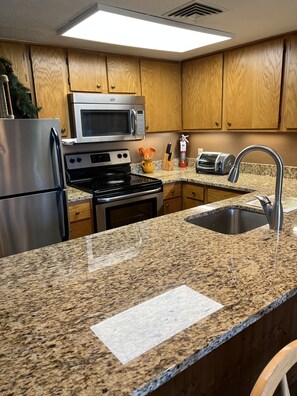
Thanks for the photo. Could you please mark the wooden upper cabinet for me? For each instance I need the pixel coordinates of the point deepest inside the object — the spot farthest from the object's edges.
(51, 85)
(289, 108)
(18, 55)
(87, 71)
(161, 86)
(202, 84)
(252, 86)
(123, 74)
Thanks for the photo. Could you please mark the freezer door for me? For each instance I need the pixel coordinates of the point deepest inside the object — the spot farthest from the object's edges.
(32, 221)
(30, 156)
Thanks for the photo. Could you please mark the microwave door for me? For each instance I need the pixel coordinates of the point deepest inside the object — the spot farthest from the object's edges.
(107, 123)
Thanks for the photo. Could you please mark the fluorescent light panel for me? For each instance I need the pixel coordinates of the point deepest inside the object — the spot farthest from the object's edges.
(122, 27)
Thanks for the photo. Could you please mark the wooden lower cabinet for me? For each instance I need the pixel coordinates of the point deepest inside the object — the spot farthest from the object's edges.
(172, 195)
(81, 219)
(178, 196)
(193, 195)
(213, 194)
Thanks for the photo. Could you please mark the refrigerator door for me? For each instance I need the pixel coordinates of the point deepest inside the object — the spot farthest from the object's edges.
(32, 221)
(30, 158)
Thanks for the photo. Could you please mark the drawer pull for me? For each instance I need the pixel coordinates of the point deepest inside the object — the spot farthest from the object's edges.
(172, 191)
(193, 192)
(167, 205)
(98, 85)
(77, 212)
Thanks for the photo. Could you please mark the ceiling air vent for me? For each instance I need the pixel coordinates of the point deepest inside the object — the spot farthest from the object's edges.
(193, 10)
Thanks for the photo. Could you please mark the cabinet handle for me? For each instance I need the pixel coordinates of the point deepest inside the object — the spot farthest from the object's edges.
(98, 85)
(63, 130)
(229, 123)
(172, 191)
(113, 86)
(147, 127)
(217, 123)
(77, 212)
(193, 192)
(167, 205)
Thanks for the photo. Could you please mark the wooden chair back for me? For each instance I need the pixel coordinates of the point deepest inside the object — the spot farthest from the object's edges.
(275, 372)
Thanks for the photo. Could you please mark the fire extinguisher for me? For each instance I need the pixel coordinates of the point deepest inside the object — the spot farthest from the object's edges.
(183, 151)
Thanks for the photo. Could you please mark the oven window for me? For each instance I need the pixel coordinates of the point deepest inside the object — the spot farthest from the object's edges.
(120, 215)
(105, 122)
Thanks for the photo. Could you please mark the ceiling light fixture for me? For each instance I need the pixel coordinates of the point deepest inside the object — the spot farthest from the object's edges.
(123, 27)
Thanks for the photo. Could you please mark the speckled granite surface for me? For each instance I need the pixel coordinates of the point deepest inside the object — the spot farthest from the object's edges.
(50, 297)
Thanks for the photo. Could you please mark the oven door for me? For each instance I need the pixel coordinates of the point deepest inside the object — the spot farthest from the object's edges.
(119, 211)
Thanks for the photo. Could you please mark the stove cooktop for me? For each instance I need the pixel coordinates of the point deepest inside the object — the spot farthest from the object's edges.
(106, 174)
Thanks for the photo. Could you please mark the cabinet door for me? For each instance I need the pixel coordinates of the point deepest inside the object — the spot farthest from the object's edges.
(202, 82)
(172, 205)
(18, 55)
(216, 194)
(161, 86)
(80, 217)
(289, 114)
(123, 74)
(87, 71)
(252, 83)
(50, 81)
(193, 195)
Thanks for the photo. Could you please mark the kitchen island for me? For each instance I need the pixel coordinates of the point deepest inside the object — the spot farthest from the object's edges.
(51, 297)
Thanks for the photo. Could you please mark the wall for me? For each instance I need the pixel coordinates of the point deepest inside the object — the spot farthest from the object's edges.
(157, 140)
(284, 143)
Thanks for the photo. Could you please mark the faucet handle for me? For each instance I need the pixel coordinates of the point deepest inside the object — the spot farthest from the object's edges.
(263, 200)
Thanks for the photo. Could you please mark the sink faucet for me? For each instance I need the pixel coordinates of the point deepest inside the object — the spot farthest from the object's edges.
(273, 212)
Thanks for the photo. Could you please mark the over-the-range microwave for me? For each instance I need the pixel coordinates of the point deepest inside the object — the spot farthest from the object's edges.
(106, 118)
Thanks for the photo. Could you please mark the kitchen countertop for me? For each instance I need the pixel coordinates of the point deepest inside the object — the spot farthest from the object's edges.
(50, 297)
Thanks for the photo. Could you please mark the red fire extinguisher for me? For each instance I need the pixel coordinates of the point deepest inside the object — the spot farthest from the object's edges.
(183, 151)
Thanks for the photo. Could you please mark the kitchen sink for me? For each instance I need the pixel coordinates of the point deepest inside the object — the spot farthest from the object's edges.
(229, 220)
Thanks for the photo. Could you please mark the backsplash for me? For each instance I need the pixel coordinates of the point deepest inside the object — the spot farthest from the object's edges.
(290, 172)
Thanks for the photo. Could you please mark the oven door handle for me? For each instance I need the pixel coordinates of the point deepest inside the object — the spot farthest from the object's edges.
(119, 198)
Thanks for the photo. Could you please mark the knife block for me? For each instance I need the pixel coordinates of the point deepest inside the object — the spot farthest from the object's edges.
(167, 165)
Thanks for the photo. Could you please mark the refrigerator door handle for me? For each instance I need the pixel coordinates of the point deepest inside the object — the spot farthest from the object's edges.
(66, 232)
(66, 229)
(59, 156)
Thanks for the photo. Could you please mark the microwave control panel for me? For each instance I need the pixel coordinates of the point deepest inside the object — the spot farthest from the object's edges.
(140, 128)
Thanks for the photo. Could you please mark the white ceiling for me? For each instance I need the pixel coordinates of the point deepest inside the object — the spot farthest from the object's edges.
(249, 20)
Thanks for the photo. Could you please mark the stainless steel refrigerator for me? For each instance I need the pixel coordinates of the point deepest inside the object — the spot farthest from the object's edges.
(33, 196)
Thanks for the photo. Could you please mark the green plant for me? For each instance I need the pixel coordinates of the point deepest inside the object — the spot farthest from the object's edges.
(22, 105)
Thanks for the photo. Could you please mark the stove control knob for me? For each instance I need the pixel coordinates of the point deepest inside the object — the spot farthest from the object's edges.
(119, 155)
(125, 155)
(72, 160)
(78, 159)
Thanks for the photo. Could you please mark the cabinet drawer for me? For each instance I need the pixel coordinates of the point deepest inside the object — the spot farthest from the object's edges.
(171, 190)
(172, 205)
(193, 191)
(215, 194)
(79, 211)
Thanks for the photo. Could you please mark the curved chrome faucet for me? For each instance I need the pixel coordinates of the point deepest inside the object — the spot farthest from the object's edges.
(273, 212)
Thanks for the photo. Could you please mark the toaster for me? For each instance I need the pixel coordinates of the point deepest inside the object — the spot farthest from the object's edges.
(217, 163)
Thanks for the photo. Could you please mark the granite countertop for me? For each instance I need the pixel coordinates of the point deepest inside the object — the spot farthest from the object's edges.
(51, 297)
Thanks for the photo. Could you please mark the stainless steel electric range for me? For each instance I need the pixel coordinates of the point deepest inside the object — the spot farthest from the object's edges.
(119, 196)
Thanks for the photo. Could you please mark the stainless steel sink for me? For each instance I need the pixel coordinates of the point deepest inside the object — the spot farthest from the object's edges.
(229, 220)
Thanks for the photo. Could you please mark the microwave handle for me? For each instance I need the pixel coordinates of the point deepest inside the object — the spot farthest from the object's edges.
(133, 116)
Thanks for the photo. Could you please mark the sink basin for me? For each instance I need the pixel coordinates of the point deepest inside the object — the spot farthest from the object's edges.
(229, 220)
